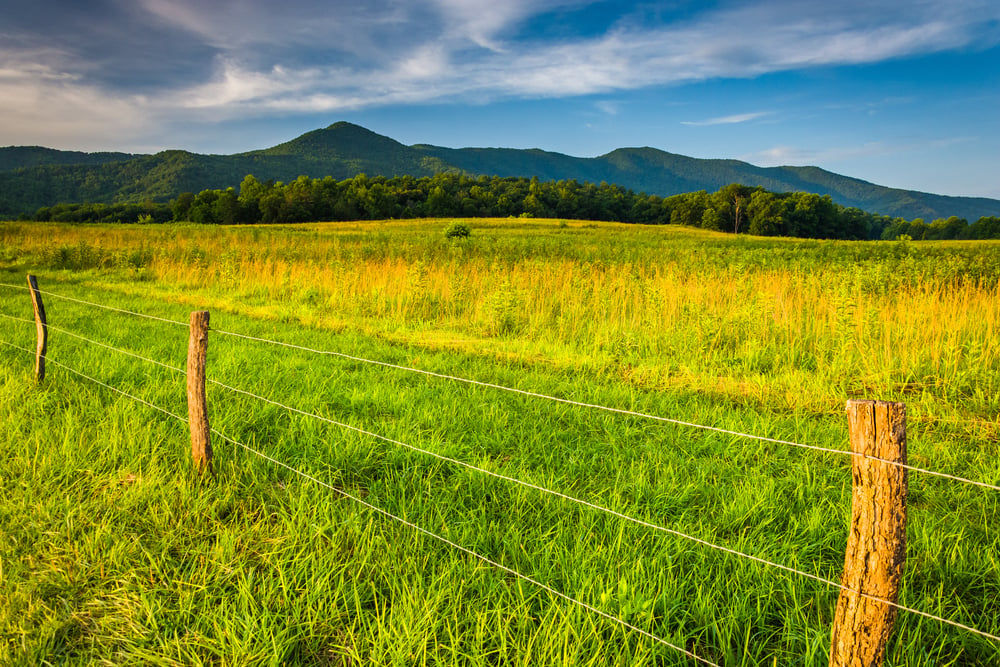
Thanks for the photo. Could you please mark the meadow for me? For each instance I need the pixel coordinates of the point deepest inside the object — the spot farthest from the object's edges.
(114, 552)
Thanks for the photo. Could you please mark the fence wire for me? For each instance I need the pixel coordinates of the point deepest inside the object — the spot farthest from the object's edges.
(413, 526)
(496, 475)
(99, 344)
(640, 522)
(490, 385)
(97, 305)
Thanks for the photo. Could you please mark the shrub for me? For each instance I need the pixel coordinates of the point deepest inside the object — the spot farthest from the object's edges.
(457, 230)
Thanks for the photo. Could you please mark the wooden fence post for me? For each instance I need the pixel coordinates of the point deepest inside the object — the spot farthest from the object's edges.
(201, 444)
(41, 326)
(876, 544)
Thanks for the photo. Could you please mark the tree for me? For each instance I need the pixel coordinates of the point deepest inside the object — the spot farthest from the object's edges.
(987, 227)
(731, 202)
(855, 224)
(766, 212)
(226, 209)
(181, 207)
(688, 209)
(813, 216)
(711, 219)
(251, 190)
(203, 207)
(439, 204)
(946, 229)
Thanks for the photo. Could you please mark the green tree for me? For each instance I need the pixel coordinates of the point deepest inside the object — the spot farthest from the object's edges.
(766, 212)
(203, 208)
(226, 208)
(730, 203)
(712, 219)
(181, 207)
(688, 209)
(947, 229)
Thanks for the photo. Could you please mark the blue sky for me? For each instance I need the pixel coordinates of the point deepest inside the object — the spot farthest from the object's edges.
(905, 94)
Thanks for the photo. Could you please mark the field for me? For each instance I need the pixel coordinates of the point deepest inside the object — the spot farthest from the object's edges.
(114, 552)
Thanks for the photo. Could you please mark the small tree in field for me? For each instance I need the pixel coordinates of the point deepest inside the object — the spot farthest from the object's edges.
(457, 230)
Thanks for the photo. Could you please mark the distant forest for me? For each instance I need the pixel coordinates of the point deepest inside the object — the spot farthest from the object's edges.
(734, 208)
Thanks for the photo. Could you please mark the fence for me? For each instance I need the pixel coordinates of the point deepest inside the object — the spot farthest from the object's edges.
(876, 547)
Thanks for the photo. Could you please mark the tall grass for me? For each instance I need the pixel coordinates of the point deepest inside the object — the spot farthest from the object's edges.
(112, 551)
(799, 324)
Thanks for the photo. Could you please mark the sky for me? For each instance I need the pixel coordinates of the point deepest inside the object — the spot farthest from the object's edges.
(904, 93)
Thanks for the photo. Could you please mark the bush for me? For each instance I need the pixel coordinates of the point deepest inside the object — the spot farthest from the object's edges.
(457, 230)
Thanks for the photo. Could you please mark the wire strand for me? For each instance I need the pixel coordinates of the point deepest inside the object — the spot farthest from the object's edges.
(612, 512)
(631, 413)
(532, 394)
(934, 473)
(98, 305)
(99, 344)
(18, 319)
(96, 381)
(413, 526)
(529, 485)
(470, 552)
(490, 385)
(911, 610)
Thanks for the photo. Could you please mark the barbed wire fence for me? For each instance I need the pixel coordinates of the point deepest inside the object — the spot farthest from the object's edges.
(856, 595)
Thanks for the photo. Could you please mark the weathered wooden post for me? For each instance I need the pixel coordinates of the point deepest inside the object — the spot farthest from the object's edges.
(201, 444)
(41, 326)
(876, 544)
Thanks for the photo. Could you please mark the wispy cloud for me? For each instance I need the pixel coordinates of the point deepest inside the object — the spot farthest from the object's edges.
(727, 120)
(797, 155)
(609, 107)
(246, 58)
(735, 42)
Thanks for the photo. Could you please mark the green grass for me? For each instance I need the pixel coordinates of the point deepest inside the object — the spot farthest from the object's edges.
(112, 551)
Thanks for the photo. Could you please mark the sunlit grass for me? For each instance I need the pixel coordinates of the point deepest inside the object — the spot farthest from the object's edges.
(112, 551)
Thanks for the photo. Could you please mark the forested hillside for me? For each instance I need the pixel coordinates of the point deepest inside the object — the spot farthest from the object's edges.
(36, 178)
(733, 208)
(19, 157)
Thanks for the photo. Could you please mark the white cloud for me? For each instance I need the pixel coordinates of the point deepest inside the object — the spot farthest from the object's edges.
(55, 110)
(733, 43)
(727, 120)
(608, 107)
(43, 104)
(796, 155)
(483, 22)
(312, 56)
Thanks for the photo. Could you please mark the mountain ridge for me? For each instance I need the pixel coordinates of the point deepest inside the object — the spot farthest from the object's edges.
(31, 177)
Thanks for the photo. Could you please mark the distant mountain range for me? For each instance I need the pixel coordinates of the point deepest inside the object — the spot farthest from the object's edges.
(32, 177)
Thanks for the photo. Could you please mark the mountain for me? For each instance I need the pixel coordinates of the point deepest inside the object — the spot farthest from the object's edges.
(16, 157)
(31, 177)
(657, 172)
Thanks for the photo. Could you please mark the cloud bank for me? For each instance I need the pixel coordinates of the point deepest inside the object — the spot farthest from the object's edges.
(122, 67)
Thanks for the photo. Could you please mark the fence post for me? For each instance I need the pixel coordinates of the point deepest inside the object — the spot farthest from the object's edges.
(201, 444)
(41, 326)
(876, 543)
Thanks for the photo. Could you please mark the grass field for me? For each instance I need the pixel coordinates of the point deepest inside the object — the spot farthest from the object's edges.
(114, 552)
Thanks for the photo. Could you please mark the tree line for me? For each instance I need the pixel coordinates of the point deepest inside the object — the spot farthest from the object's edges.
(733, 208)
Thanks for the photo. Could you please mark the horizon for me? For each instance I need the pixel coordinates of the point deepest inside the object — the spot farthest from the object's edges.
(900, 95)
(339, 122)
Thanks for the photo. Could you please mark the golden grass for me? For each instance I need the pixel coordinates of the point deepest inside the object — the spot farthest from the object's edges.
(806, 326)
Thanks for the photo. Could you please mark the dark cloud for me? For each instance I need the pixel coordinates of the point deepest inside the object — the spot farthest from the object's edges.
(86, 65)
(110, 44)
(143, 46)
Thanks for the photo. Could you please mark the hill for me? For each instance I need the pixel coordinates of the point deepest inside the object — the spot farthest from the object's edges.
(32, 177)
(18, 157)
